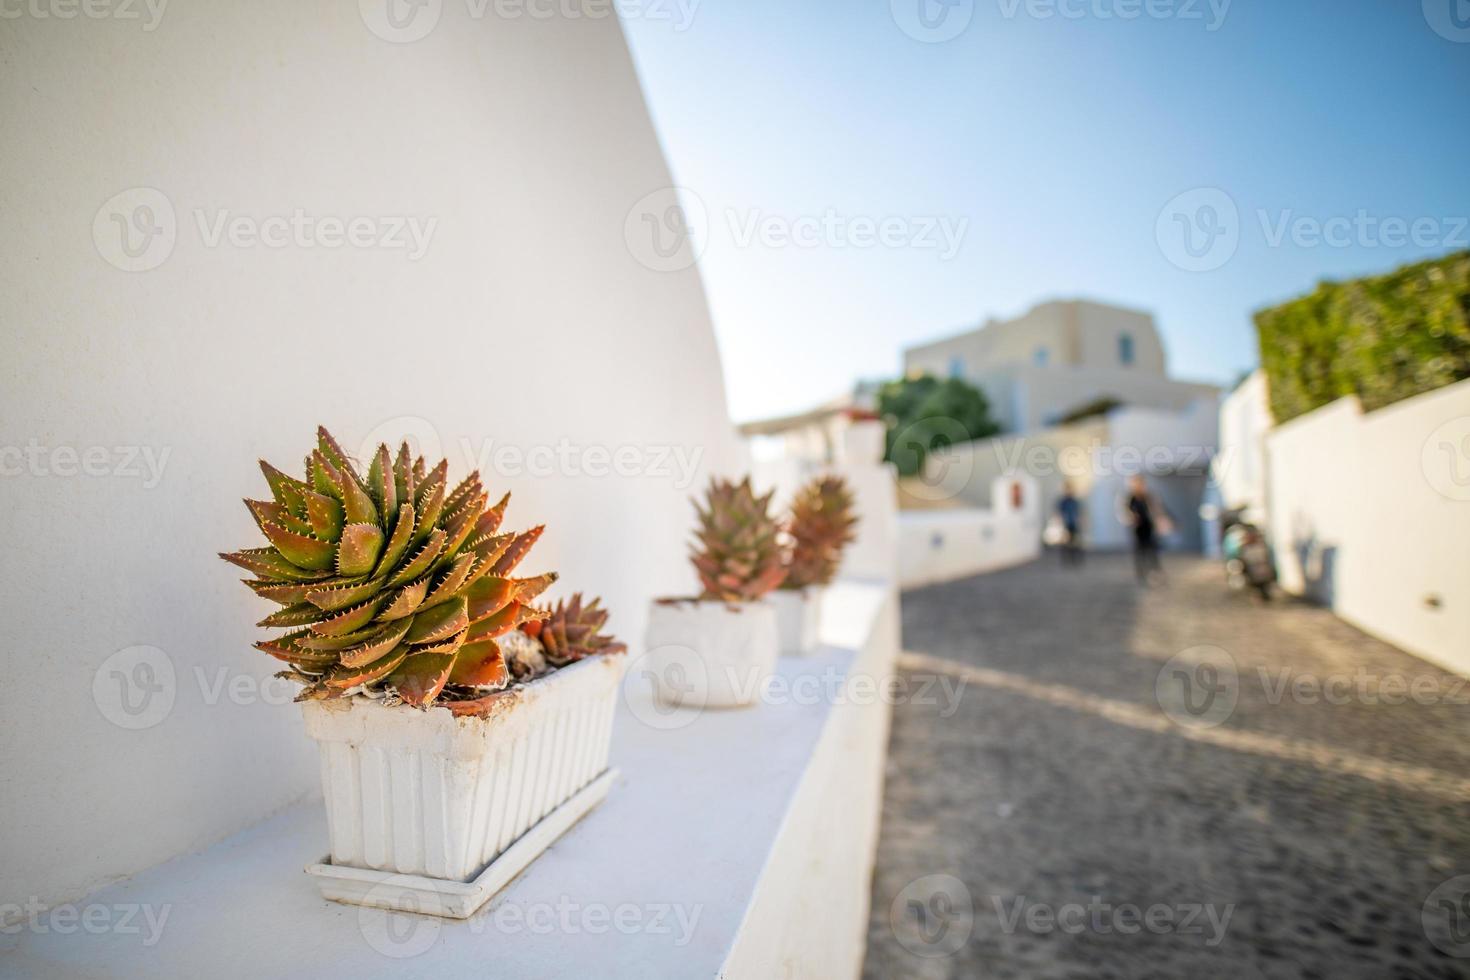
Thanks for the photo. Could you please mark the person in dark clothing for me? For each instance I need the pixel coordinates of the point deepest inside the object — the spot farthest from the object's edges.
(1069, 509)
(1144, 515)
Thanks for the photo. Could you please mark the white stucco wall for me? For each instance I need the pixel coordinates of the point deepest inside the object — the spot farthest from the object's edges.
(1245, 421)
(1371, 514)
(942, 545)
(528, 321)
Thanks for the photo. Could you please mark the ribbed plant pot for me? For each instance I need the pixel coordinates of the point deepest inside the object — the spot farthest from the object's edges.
(433, 813)
(798, 619)
(711, 654)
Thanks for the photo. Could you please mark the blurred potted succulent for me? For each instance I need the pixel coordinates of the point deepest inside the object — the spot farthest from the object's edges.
(718, 649)
(820, 526)
(453, 717)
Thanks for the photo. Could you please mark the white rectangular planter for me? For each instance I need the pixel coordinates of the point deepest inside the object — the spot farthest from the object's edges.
(424, 793)
(711, 654)
(798, 618)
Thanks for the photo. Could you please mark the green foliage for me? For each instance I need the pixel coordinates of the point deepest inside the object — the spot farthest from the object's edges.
(927, 413)
(1382, 338)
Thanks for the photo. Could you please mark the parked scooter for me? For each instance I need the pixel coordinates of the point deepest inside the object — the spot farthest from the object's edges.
(1247, 558)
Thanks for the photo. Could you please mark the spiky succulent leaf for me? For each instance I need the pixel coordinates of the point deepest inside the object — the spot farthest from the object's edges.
(286, 490)
(397, 545)
(821, 525)
(339, 594)
(438, 624)
(357, 554)
(380, 483)
(271, 565)
(324, 513)
(357, 505)
(737, 550)
(516, 550)
(346, 675)
(301, 550)
(574, 631)
(405, 601)
(421, 560)
(421, 676)
(302, 614)
(480, 665)
(376, 646)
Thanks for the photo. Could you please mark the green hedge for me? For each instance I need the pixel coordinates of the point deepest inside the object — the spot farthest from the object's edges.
(1382, 338)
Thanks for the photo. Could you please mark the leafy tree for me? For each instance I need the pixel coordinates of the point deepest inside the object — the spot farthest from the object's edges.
(928, 413)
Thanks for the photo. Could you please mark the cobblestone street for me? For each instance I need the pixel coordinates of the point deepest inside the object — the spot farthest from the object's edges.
(1093, 789)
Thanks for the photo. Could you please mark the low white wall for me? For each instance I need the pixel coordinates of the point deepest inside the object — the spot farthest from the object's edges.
(809, 916)
(941, 545)
(1240, 467)
(1370, 514)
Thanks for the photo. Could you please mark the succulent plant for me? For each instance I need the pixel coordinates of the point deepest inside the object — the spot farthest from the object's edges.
(574, 631)
(820, 525)
(388, 582)
(738, 552)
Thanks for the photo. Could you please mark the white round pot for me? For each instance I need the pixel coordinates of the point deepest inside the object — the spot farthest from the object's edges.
(711, 654)
(798, 619)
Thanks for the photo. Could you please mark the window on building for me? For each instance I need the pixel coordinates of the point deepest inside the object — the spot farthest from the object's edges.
(956, 366)
(1125, 348)
(1041, 356)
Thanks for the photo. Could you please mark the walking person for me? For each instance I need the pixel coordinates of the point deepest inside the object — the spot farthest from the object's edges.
(1069, 509)
(1148, 518)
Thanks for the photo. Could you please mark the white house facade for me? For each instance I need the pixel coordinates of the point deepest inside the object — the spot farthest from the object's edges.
(1042, 372)
(1058, 357)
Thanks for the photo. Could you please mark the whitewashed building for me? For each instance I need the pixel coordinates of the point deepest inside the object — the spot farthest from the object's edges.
(1059, 357)
(1082, 393)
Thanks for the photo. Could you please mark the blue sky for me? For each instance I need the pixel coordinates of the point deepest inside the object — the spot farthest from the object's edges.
(1049, 146)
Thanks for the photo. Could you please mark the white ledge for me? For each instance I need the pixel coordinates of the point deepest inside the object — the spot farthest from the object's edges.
(663, 879)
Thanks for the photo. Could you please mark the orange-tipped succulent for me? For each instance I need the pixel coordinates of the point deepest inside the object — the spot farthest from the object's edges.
(574, 631)
(821, 526)
(391, 581)
(737, 552)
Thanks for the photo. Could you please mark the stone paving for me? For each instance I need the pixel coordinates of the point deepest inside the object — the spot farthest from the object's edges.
(1066, 813)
